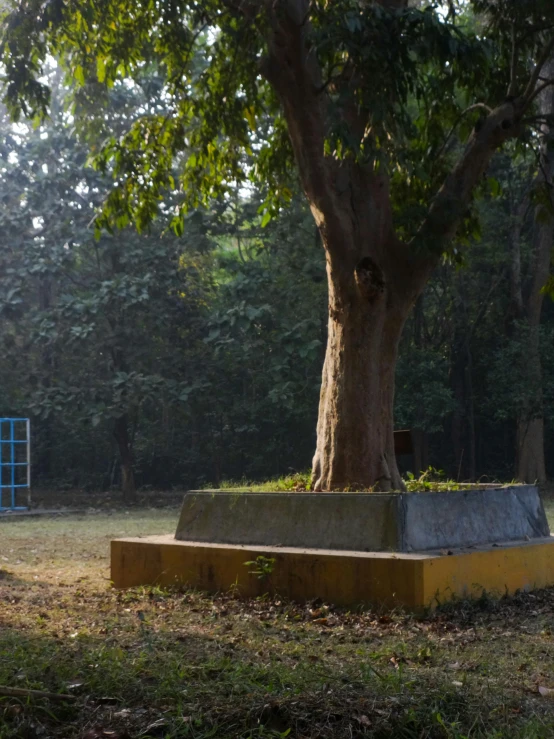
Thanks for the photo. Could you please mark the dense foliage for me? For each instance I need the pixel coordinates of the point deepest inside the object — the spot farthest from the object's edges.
(209, 345)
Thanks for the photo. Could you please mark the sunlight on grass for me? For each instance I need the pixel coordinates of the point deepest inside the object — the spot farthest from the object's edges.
(68, 548)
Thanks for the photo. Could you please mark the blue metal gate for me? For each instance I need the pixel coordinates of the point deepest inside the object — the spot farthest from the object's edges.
(15, 464)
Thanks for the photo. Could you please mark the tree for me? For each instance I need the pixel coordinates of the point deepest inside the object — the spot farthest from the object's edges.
(530, 460)
(367, 99)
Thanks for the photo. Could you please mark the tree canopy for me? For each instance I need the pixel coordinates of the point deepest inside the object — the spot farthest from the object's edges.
(400, 86)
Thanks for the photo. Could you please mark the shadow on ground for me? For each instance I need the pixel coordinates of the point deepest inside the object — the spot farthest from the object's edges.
(153, 664)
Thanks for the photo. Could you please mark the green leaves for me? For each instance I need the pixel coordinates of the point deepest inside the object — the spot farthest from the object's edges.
(79, 74)
(211, 98)
(100, 69)
(92, 326)
(266, 218)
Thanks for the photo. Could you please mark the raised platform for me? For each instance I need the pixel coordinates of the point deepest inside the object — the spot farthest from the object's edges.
(412, 580)
(409, 549)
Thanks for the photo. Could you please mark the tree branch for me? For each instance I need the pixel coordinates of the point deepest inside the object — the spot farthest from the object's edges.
(27, 692)
(544, 57)
(452, 201)
(294, 73)
(537, 92)
(512, 88)
(345, 197)
(476, 106)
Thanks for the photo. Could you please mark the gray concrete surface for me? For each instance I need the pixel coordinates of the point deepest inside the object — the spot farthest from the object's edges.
(367, 522)
(469, 517)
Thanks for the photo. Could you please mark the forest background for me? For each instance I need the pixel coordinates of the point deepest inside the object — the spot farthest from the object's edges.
(185, 358)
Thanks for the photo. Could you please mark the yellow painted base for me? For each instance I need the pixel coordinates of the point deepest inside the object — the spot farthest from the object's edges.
(415, 581)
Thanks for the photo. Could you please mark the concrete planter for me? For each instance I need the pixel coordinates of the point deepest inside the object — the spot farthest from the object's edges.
(365, 522)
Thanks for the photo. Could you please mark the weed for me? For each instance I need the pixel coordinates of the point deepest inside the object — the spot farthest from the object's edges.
(262, 567)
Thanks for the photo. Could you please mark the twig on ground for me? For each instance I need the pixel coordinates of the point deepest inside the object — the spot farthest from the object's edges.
(27, 692)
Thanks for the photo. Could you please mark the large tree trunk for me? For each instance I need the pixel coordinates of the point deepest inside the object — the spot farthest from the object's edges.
(355, 444)
(121, 434)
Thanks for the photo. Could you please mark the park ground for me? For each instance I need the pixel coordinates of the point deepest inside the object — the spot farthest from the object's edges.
(149, 663)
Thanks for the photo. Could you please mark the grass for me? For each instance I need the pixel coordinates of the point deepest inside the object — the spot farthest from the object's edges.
(296, 482)
(151, 663)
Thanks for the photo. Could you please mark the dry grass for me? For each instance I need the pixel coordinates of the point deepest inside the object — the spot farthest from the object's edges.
(148, 663)
(65, 548)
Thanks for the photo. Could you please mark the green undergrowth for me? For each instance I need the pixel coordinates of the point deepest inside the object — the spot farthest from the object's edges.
(435, 480)
(430, 480)
(168, 664)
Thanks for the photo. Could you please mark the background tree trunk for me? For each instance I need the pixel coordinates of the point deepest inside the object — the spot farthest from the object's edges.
(121, 434)
(420, 440)
(530, 450)
(420, 437)
(463, 431)
(530, 462)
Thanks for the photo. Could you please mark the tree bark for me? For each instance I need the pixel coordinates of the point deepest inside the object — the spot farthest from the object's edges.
(355, 444)
(121, 434)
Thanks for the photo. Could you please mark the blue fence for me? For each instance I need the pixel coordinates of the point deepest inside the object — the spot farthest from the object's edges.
(15, 464)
